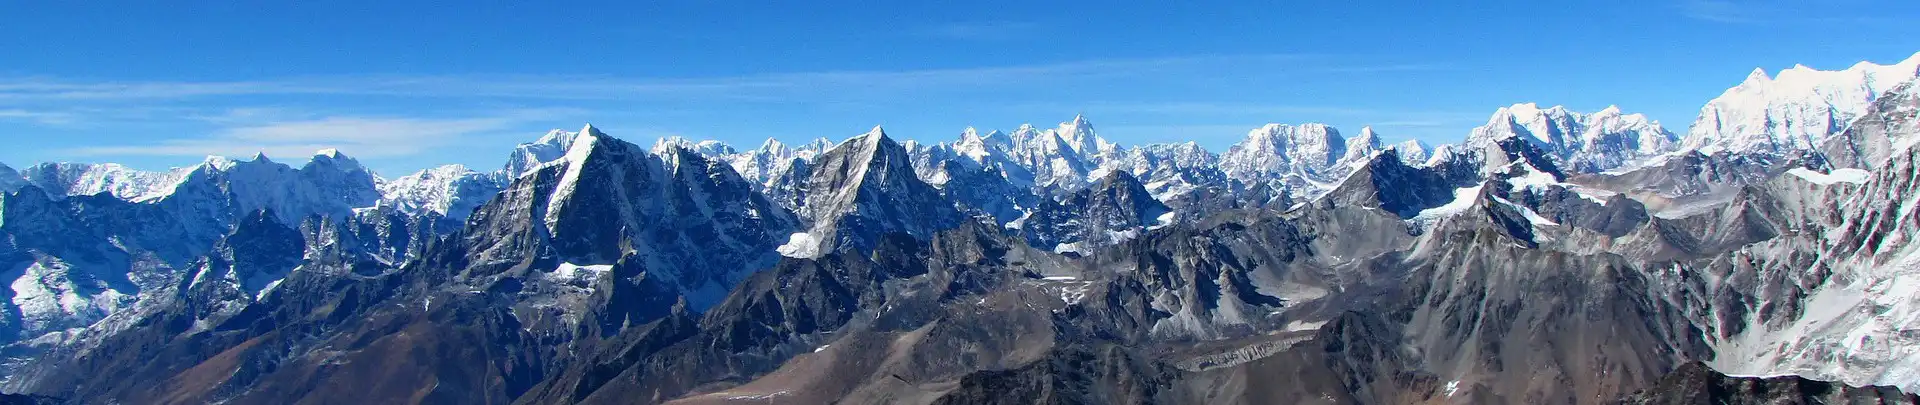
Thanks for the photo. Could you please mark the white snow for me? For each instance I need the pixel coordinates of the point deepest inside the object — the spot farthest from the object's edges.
(800, 245)
(587, 273)
(1297, 326)
(1533, 179)
(1453, 387)
(1849, 175)
(1164, 220)
(1462, 200)
(1595, 195)
(1069, 247)
(1019, 222)
(1532, 217)
(758, 397)
(1797, 110)
(1599, 141)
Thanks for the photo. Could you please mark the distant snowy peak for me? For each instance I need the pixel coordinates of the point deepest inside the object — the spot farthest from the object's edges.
(554, 145)
(709, 148)
(1079, 135)
(1412, 151)
(451, 191)
(329, 178)
(980, 147)
(1307, 158)
(1796, 110)
(330, 185)
(60, 180)
(1361, 146)
(1583, 142)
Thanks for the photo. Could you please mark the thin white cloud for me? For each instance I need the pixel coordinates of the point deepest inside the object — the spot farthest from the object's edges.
(784, 87)
(367, 137)
(38, 117)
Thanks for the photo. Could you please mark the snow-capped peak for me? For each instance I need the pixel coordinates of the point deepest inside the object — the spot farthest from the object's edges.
(451, 191)
(334, 159)
(1079, 135)
(1585, 142)
(548, 148)
(216, 162)
(709, 148)
(1796, 110)
(1412, 152)
(772, 146)
(1307, 158)
(1358, 148)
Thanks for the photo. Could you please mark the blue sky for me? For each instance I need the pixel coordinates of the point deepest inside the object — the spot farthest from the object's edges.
(413, 85)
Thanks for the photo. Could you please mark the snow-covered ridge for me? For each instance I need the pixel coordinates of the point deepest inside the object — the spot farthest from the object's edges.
(1795, 110)
(1590, 143)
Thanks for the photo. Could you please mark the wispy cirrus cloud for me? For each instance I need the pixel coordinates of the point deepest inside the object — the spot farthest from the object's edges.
(784, 87)
(363, 136)
(38, 116)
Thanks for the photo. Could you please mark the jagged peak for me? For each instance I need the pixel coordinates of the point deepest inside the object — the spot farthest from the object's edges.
(335, 158)
(707, 147)
(1757, 77)
(1368, 132)
(444, 171)
(1282, 136)
(260, 157)
(818, 144)
(1529, 112)
(216, 162)
(969, 134)
(557, 137)
(877, 133)
(579, 149)
(771, 145)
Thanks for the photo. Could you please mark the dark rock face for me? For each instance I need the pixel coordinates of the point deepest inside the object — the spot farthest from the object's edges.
(1695, 383)
(1389, 184)
(867, 187)
(13, 399)
(1113, 210)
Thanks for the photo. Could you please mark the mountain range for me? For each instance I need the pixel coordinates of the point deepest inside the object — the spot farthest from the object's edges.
(1550, 256)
